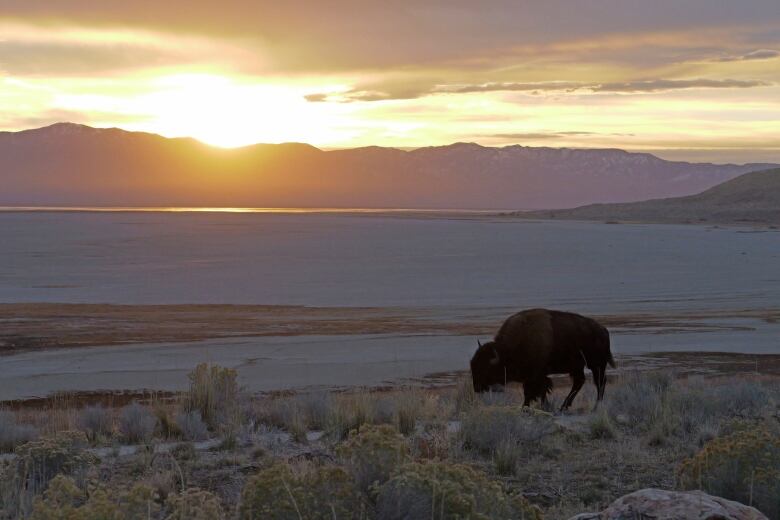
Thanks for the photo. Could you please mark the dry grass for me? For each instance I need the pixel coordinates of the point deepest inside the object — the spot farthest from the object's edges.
(96, 422)
(214, 393)
(649, 424)
(137, 423)
(13, 434)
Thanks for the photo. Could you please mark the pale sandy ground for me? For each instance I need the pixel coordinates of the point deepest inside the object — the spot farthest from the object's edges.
(348, 299)
(294, 348)
(271, 363)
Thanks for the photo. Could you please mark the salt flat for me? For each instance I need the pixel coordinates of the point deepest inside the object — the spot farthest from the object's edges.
(298, 362)
(433, 286)
(365, 260)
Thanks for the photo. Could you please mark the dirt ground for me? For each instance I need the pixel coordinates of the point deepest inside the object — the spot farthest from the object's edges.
(36, 326)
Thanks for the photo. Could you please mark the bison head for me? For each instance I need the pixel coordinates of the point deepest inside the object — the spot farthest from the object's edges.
(487, 369)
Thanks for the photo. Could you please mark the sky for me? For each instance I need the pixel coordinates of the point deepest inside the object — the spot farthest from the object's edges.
(686, 79)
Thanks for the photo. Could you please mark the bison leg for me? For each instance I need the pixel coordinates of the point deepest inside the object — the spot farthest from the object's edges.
(537, 388)
(600, 380)
(545, 387)
(529, 392)
(578, 379)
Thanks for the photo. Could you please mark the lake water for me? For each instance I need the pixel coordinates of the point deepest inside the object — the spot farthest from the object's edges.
(382, 260)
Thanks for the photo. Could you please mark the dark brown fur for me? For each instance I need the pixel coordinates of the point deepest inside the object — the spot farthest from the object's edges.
(532, 344)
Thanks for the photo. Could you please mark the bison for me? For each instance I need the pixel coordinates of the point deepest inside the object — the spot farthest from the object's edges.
(534, 343)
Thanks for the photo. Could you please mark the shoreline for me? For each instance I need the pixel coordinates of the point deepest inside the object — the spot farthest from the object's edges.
(682, 364)
(30, 327)
(504, 215)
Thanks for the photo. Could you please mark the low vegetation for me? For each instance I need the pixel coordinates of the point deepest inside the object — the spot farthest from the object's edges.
(742, 466)
(13, 434)
(137, 423)
(96, 422)
(214, 393)
(433, 489)
(446, 453)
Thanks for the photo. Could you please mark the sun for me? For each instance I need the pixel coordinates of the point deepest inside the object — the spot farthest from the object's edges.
(222, 111)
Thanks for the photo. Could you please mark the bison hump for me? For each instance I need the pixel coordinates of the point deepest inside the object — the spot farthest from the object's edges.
(529, 335)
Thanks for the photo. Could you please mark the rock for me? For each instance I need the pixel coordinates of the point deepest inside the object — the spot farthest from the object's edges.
(623, 419)
(673, 505)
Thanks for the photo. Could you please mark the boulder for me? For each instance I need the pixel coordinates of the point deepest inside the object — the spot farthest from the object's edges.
(659, 504)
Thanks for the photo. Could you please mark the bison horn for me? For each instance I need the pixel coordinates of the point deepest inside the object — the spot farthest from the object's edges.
(479, 343)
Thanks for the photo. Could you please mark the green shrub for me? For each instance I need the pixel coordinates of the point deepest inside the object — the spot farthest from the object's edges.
(64, 500)
(319, 493)
(38, 462)
(195, 504)
(743, 466)
(600, 425)
(373, 454)
(60, 500)
(214, 393)
(448, 492)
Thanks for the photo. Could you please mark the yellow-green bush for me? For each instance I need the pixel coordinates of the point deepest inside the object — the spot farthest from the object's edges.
(316, 493)
(38, 462)
(449, 492)
(373, 454)
(64, 500)
(214, 393)
(195, 504)
(743, 466)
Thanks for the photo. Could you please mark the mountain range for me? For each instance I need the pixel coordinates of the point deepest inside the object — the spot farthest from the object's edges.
(752, 198)
(67, 164)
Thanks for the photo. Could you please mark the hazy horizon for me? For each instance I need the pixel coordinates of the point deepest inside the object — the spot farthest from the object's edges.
(694, 81)
(739, 157)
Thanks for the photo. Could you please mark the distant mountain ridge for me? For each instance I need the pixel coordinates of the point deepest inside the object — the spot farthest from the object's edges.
(752, 198)
(70, 164)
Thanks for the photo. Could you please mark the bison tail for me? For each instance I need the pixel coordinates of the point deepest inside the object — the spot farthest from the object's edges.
(611, 361)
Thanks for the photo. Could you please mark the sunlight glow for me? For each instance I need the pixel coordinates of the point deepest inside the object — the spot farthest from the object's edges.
(226, 92)
(224, 112)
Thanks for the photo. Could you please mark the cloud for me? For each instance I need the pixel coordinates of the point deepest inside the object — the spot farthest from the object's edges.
(42, 58)
(535, 136)
(510, 87)
(663, 85)
(316, 98)
(760, 54)
(656, 85)
(644, 86)
(31, 50)
(349, 35)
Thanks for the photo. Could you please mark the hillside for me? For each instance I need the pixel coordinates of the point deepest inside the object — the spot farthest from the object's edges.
(750, 198)
(69, 164)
